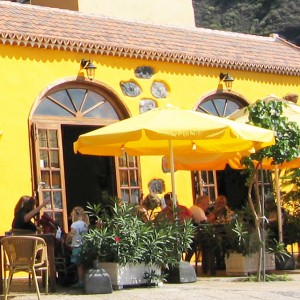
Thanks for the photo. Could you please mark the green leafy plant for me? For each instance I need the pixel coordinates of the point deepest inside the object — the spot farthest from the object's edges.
(241, 236)
(153, 279)
(120, 236)
(279, 250)
(270, 277)
(287, 147)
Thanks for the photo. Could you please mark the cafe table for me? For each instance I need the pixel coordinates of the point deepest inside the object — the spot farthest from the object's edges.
(50, 241)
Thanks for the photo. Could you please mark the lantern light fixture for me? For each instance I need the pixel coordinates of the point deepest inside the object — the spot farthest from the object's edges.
(227, 79)
(89, 67)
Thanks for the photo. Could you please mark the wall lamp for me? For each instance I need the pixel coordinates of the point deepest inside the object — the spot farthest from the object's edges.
(227, 79)
(89, 67)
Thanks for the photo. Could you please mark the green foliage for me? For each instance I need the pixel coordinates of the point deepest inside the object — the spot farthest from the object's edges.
(270, 277)
(121, 236)
(279, 250)
(211, 236)
(290, 200)
(241, 236)
(269, 115)
(260, 17)
(153, 278)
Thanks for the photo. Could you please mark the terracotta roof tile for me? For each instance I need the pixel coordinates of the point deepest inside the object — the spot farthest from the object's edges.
(35, 26)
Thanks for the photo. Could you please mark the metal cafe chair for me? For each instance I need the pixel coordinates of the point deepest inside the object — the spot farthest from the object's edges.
(25, 254)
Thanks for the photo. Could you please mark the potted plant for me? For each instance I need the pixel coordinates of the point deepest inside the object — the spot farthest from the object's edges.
(242, 246)
(283, 260)
(121, 241)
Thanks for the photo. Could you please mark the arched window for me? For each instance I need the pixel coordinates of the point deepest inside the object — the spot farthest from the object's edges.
(221, 105)
(212, 182)
(76, 102)
(64, 112)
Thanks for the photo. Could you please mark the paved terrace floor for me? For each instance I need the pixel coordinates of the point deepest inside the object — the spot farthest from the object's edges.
(208, 288)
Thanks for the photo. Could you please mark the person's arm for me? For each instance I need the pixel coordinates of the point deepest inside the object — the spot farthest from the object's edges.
(70, 235)
(35, 211)
(211, 218)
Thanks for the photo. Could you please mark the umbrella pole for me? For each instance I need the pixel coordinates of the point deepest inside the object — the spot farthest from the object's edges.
(172, 169)
(279, 214)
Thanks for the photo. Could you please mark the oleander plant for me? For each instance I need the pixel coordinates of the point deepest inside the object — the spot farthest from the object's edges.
(119, 235)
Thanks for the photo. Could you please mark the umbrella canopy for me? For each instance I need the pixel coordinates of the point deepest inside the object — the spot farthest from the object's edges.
(173, 131)
(189, 131)
(206, 161)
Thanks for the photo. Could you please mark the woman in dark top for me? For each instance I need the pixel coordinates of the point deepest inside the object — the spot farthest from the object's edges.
(24, 211)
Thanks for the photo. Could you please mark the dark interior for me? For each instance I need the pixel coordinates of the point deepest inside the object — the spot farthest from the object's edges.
(88, 178)
(232, 184)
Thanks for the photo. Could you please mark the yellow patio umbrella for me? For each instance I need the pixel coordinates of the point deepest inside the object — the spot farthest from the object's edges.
(292, 112)
(206, 161)
(173, 131)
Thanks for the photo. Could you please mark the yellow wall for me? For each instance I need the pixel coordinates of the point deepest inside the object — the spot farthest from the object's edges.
(168, 12)
(26, 72)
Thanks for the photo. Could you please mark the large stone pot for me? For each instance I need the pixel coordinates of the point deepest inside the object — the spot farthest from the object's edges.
(128, 275)
(238, 264)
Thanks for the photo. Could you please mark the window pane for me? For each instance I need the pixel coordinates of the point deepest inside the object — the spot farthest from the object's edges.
(42, 138)
(63, 98)
(53, 139)
(49, 108)
(231, 107)
(44, 160)
(77, 95)
(125, 195)
(57, 199)
(91, 100)
(220, 106)
(211, 193)
(47, 196)
(56, 180)
(58, 217)
(54, 159)
(204, 177)
(135, 196)
(131, 161)
(210, 177)
(46, 178)
(133, 178)
(124, 178)
(208, 106)
(122, 161)
(103, 111)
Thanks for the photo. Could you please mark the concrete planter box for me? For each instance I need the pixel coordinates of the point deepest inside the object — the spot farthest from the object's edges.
(237, 264)
(128, 275)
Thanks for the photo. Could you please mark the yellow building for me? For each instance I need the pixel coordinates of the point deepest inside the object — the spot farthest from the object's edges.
(47, 100)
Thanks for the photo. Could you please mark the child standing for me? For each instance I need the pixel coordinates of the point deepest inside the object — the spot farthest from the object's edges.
(79, 227)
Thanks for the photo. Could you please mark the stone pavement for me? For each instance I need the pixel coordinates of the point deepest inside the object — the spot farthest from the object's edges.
(208, 288)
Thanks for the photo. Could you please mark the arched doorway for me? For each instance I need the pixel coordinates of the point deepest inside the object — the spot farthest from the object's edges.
(228, 182)
(59, 116)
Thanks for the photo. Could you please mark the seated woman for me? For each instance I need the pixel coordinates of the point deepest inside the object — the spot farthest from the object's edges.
(24, 211)
(221, 213)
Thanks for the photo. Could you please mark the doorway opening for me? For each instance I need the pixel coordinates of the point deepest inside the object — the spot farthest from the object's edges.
(232, 184)
(88, 178)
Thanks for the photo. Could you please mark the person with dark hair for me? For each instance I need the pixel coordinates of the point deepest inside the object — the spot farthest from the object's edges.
(24, 211)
